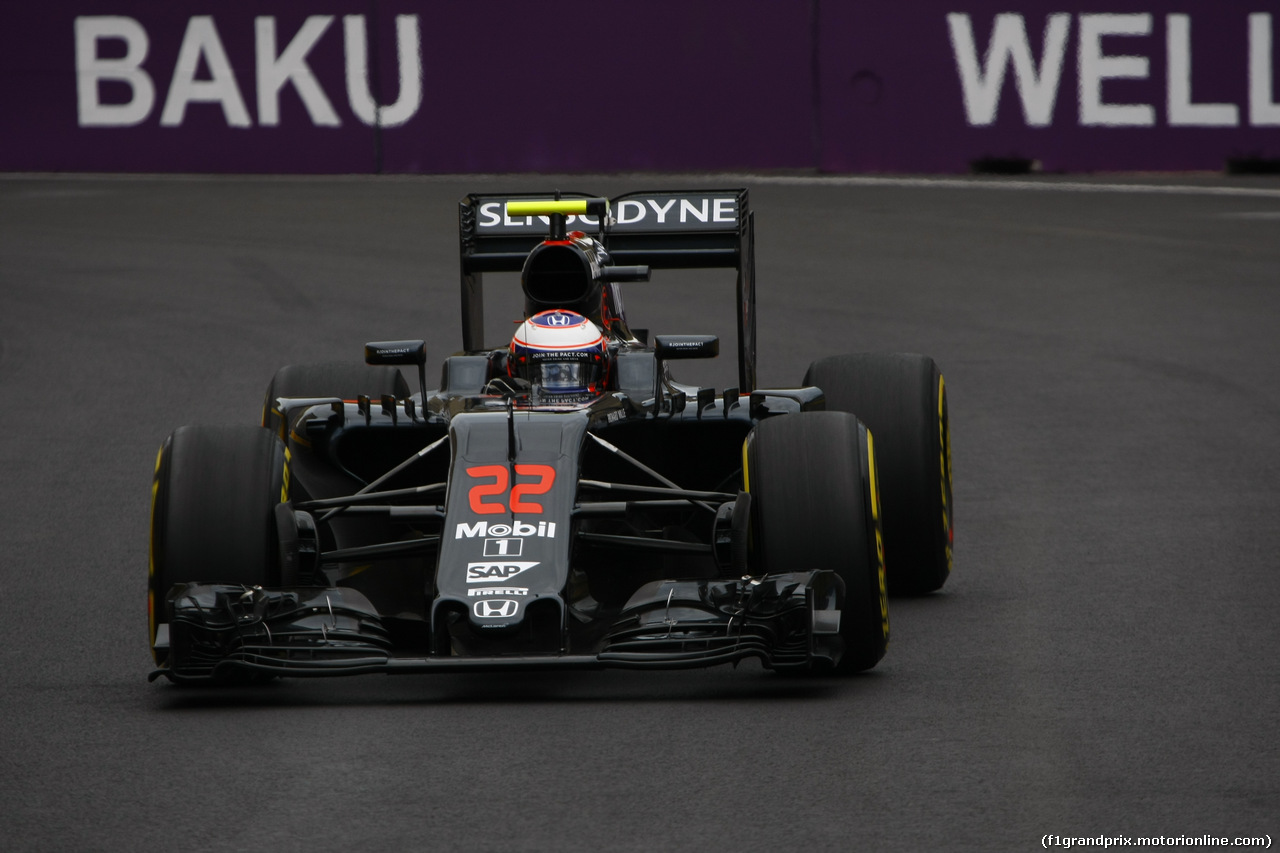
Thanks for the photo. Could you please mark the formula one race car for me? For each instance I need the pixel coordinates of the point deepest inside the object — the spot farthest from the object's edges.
(560, 501)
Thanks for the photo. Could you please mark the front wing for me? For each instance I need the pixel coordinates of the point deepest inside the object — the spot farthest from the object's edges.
(789, 621)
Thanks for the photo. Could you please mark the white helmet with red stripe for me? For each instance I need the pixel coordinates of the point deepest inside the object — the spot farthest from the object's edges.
(560, 351)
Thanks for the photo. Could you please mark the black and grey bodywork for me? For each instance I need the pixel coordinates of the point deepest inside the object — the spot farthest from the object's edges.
(483, 524)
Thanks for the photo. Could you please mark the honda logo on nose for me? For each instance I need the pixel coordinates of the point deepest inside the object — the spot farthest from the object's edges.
(495, 608)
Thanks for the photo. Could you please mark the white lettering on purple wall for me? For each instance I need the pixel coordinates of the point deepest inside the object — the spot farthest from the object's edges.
(290, 66)
(1263, 110)
(1037, 87)
(1098, 61)
(1096, 66)
(410, 54)
(91, 69)
(1181, 109)
(203, 73)
(201, 42)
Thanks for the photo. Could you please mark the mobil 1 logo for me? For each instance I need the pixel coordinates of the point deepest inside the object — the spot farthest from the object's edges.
(503, 547)
(516, 529)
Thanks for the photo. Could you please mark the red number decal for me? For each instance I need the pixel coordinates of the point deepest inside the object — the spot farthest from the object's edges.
(498, 487)
(546, 479)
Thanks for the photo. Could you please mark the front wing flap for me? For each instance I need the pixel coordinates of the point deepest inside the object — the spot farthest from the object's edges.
(217, 629)
(789, 621)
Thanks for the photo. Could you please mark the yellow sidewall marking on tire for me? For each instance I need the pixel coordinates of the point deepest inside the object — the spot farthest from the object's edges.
(155, 488)
(871, 471)
(284, 486)
(944, 467)
(151, 552)
(873, 484)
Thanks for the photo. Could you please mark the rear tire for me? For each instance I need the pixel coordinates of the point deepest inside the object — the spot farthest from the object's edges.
(213, 512)
(812, 482)
(902, 399)
(346, 380)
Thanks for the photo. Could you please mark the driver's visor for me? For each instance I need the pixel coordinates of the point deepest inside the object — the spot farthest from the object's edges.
(563, 375)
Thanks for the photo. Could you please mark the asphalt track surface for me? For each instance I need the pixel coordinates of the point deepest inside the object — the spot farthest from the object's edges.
(1105, 659)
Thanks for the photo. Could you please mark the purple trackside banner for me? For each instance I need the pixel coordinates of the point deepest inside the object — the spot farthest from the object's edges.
(400, 86)
(434, 86)
(1111, 85)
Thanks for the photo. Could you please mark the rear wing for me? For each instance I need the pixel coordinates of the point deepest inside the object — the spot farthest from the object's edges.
(670, 229)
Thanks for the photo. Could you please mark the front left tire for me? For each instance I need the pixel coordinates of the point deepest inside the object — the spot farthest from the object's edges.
(213, 502)
(902, 399)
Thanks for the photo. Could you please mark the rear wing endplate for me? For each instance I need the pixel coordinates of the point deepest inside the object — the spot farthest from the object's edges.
(670, 229)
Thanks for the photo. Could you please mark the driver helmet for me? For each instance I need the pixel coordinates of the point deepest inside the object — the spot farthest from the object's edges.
(560, 351)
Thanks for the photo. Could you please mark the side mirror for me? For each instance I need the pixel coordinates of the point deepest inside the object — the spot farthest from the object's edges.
(401, 352)
(396, 352)
(670, 347)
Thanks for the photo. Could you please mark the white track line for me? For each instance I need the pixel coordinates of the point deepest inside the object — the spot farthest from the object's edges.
(1047, 184)
(1004, 184)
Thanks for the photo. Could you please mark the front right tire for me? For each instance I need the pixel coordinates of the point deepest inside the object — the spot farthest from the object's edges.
(815, 505)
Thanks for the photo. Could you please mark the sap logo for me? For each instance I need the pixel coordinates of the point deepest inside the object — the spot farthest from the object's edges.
(276, 69)
(495, 608)
(500, 590)
(1037, 82)
(495, 572)
(482, 529)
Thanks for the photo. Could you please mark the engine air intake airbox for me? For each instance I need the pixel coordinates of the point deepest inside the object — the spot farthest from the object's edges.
(559, 275)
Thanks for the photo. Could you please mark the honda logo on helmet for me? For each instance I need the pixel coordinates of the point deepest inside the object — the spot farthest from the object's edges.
(558, 319)
(495, 608)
